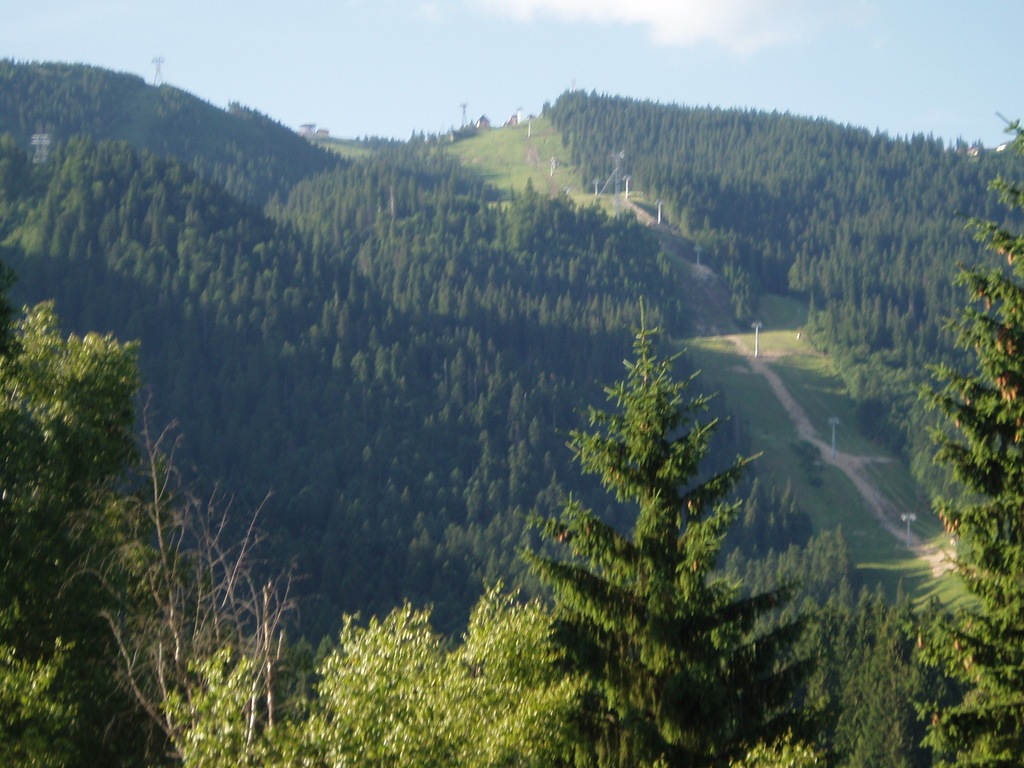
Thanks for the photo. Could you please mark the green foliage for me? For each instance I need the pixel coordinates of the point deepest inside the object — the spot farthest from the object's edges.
(245, 151)
(394, 692)
(782, 754)
(769, 520)
(983, 647)
(66, 439)
(192, 600)
(863, 226)
(868, 681)
(866, 678)
(35, 716)
(224, 731)
(414, 347)
(678, 669)
(7, 343)
(391, 350)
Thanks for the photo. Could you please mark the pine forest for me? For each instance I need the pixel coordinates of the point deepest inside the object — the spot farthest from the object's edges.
(326, 453)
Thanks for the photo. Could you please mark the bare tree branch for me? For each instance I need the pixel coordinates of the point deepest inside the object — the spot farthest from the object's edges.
(196, 591)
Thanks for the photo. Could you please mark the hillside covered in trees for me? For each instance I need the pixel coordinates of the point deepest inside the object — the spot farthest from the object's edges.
(384, 357)
(868, 228)
(383, 351)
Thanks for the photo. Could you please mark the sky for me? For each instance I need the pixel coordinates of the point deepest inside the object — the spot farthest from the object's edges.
(392, 68)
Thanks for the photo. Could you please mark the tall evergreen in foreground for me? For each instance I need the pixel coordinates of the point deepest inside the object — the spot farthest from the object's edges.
(985, 646)
(678, 669)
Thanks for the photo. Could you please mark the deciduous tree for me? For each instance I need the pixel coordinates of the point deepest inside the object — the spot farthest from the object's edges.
(66, 440)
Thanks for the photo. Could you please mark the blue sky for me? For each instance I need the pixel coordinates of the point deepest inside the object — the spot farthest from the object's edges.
(392, 67)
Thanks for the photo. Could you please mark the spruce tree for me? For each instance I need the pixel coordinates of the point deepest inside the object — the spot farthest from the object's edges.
(984, 646)
(679, 669)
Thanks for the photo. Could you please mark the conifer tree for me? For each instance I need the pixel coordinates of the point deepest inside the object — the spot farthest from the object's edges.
(678, 670)
(984, 646)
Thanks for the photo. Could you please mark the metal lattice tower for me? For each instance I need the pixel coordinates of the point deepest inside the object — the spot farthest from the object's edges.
(41, 141)
(158, 76)
(464, 105)
(614, 175)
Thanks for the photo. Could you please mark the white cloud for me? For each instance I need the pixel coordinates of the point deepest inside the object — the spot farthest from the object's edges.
(741, 26)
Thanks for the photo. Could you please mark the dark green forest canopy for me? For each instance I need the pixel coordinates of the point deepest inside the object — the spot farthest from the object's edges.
(385, 342)
(397, 355)
(867, 228)
(392, 353)
(251, 155)
(388, 354)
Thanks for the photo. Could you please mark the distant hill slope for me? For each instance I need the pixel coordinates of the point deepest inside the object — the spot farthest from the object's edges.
(866, 228)
(391, 356)
(383, 342)
(250, 154)
(512, 158)
(508, 158)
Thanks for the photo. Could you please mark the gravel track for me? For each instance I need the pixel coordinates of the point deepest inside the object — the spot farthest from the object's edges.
(854, 467)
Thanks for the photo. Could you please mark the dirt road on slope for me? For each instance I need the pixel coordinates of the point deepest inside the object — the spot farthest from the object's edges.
(854, 467)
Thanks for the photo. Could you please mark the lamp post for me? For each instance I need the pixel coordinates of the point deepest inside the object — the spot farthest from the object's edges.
(757, 332)
(908, 518)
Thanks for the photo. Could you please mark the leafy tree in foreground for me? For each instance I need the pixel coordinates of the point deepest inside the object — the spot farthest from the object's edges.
(984, 648)
(679, 669)
(66, 420)
(395, 693)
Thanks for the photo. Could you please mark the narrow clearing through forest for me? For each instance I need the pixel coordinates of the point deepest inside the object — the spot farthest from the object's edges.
(854, 467)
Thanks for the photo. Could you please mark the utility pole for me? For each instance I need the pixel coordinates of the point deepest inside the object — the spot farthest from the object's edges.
(617, 173)
(757, 335)
(908, 518)
(659, 219)
(834, 421)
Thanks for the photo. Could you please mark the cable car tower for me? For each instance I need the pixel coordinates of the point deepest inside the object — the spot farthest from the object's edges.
(616, 177)
(41, 141)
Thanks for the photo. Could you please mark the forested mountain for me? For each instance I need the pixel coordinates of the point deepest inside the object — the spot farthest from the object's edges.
(391, 354)
(395, 354)
(385, 352)
(868, 228)
(248, 153)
